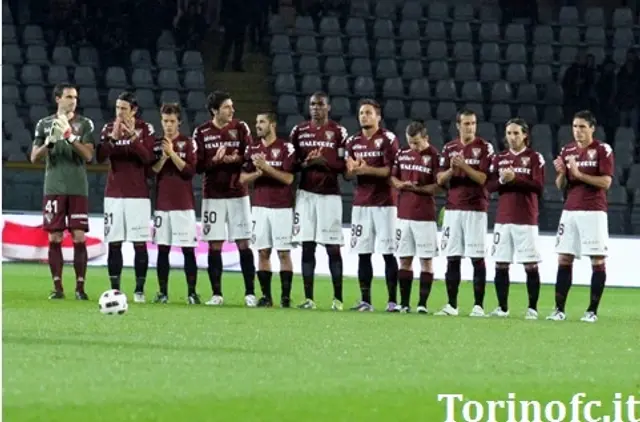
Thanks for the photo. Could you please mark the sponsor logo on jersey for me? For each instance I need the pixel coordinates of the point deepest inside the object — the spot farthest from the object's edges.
(525, 161)
(233, 134)
(426, 160)
(378, 143)
(180, 145)
(275, 153)
(592, 154)
(329, 135)
(476, 152)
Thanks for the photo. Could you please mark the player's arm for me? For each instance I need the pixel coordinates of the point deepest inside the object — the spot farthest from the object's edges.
(249, 173)
(535, 183)
(41, 144)
(493, 179)
(284, 176)
(157, 167)
(445, 171)
(189, 168)
(390, 152)
(105, 149)
(605, 167)
(142, 145)
(83, 144)
(561, 170)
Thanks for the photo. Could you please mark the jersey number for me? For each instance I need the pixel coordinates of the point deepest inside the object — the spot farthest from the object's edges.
(108, 218)
(356, 230)
(51, 206)
(209, 217)
(157, 221)
(296, 218)
(496, 238)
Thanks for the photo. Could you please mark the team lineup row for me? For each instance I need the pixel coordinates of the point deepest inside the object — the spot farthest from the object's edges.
(394, 212)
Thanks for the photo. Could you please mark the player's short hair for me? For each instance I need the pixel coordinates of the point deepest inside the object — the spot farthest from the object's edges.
(58, 89)
(215, 100)
(171, 108)
(370, 102)
(524, 127)
(416, 128)
(320, 94)
(588, 116)
(129, 97)
(271, 116)
(465, 112)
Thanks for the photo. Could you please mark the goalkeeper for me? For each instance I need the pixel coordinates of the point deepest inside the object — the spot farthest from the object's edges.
(65, 141)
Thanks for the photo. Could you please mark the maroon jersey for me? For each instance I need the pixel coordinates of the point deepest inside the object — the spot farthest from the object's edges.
(267, 191)
(174, 190)
(129, 161)
(518, 199)
(221, 180)
(593, 160)
(378, 151)
(420, 168)
(329, 139)
(465, 194)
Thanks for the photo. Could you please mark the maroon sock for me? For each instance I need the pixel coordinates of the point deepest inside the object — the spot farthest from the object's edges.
(80, 264)
(55, 264)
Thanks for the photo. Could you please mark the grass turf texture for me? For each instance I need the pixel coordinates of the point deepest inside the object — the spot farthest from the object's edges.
(64, 361)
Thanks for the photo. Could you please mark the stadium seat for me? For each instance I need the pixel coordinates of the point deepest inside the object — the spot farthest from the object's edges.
(88, 56)
(115, 77)
(167, 59)
(145, 98)
(364, 87)
(465, 72)
(501, 92)
(140, 58)
(409, 30)
(490, 72)
(335, 66)
(489, 52)
(310, 84)
(595, 36)
(622, 18)
(437, 50)
(446, 90)
(62, 55)
(472, 91)
(35, 95)
(464, 52)
(36, 54)
(329, 26)
(306, 44)
(166, 41)
(355, 27)
(277, 25)
(411, 49)
(341, 107)
(288, 104)
(394, 109)
(460, 31)
(358, 47)
(285, 83)
(438, 71)
(438, 11)
(88, 97)
(194, 80)
(32, 35)
(435, 31)
(332, 46)
(11, 54)
(84, 76)
(361, 67)
(446, 111)
(37, 112)
(568, 16)
(393, 88)
(420, 110)
(387, 68)
(515, 33)
(282, 63)
(412, 69)
(56, 75)
(168, 79)
(385, 48)
(9, 34)
(170, 96)
(338, 86)
(420, 89)
(543, 35)
(411, 11)
(280, 44)
(31, 75)
(594, 16)
(192, 60)
(142, 78)
(489, 32)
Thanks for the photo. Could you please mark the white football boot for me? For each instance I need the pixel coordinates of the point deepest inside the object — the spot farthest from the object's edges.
(498, 312)
(556, 315)
(139, 297)
(250, 301)
(531, 314)
(216, 300)
(477, 311)
(448, 310)
(589, 317)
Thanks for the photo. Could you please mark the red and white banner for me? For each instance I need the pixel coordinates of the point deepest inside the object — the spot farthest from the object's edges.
(24, 240)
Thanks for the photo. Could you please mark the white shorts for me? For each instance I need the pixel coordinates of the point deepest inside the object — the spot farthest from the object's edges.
(583, 233)
(272, 228)
(464, 233)
(318, 218)
(416, 238)
(226, 219)
(373, 229)
(515, 243)
(127, 220)
(175, 228)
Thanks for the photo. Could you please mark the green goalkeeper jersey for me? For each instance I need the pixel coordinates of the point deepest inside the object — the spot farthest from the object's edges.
(66, 171)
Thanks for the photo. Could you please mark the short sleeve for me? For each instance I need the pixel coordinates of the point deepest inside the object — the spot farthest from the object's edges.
(435, 162)
(247, 164)
(247, 139)
(87, 133)
(391, 149)
(487, 158)
(493, 166)
(104, 132)
(606, 160)
(444, 162)
(289, 159)
(348, 143)
(40, 134)
(395, 170)
(341, 141)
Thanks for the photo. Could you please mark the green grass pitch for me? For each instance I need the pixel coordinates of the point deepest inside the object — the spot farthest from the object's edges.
(64, 361)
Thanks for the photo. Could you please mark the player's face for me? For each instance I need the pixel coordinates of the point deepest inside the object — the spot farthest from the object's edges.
(170, 123)
(124, 111)
(68, 101)
(225, 112)
(467, 127)
(318, 108)
(368, 117)
(515, 137)
(263, 126)
(418, 142)
(582, 130)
